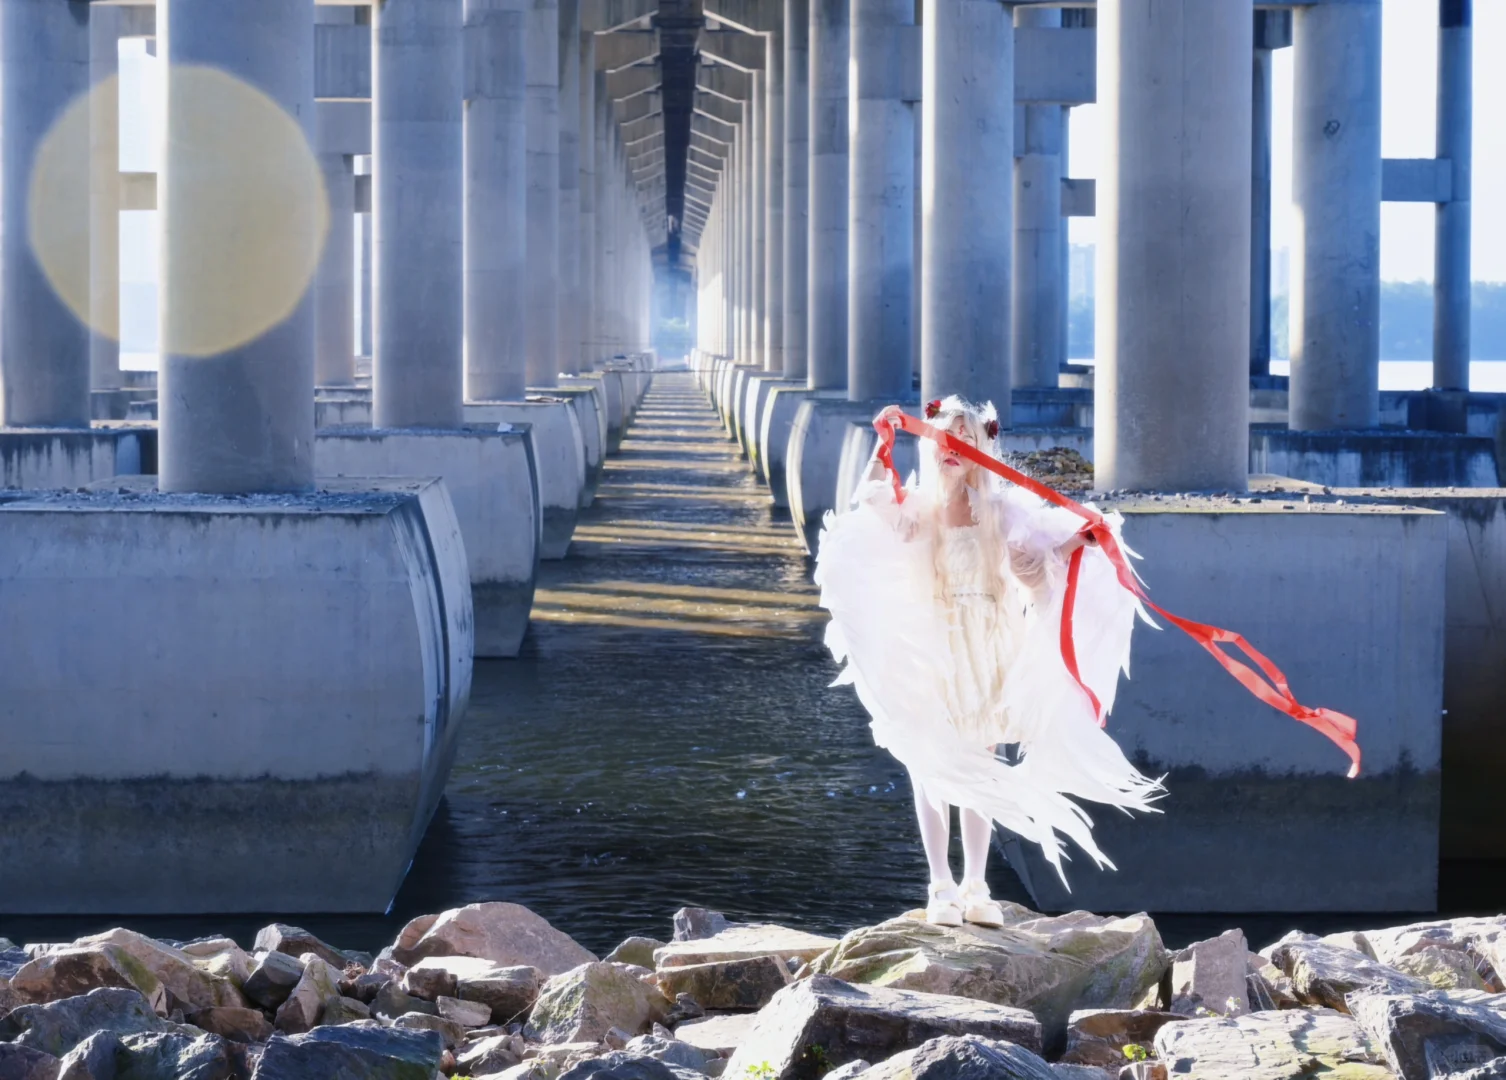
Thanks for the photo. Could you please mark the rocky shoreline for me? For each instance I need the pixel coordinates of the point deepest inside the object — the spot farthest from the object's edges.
(493, 991)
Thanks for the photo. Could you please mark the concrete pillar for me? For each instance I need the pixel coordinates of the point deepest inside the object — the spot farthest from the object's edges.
(569, 234)
(796, 165)
(1336, 188)
(44, 347)
(107, 25)
(364, 227)
(1451, 266)
(880, 219)
(967, 149)
(773, 292)
(335, 280)
(1172, 389)
(603, 163)
(240, 420)
(826, 253)
(757, 110)
(496, 200)
(1267, 24)
(1038, 348)
(750, 282)
(543, 193)
(418, 176)
(586, 319)
(729, 256)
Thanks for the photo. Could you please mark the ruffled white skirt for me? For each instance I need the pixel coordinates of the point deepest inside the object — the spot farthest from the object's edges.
(943, 683)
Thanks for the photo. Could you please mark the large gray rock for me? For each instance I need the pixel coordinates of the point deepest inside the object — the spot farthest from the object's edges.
(1430, 1034)
(585, 1003)
(728, 984)
(168, 977)
(1483, 938)
(489, 1055)
(1293, 1044)
(220, 957)
(24, 1063)
(721, 1034)
(364, 1051)
(164, 1055)
(510, 992)
(295, 941)
(59, 1026)
(1049, 965)
(636, 950)
(823, 1022)
(344, 1010)
(670, 1051)
(1099, 1036)
(319, 984)
(619, 1065)
(964, 1057)
(452, 1033)
(92, 1059)
(509, 935)
(1324, 974)
(12, 960)
(391, 1002)
(273, 979)
(233, 1023)
(1212, 975)
(694, 923)
(744, 942)
(468, 1014)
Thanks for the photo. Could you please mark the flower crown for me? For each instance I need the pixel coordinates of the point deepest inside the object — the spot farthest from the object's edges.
(990, 426)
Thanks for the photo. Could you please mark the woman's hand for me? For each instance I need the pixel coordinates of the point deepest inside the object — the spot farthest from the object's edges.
(1082, 539)
(892, 415)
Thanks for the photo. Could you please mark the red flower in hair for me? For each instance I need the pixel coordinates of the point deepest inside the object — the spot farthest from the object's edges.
(992, 427)
(932, 408)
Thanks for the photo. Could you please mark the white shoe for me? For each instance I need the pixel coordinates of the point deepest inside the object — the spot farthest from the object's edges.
(979, 907)
(945, 907)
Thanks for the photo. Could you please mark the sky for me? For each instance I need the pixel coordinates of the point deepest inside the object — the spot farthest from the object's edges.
(1409, 77)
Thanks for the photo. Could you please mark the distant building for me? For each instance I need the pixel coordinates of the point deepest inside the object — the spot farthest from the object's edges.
(1080, 273)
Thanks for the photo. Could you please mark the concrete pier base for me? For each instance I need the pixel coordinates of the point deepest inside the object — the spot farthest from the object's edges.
(755, 407)
(611, 389)
(1377, 458)
(774, 436)
(588, 404)
(559, 458)
(283, 743)
(814, 458)
(34, 459)
(491, 481)
(341, 411)
(115, 403)
(1349, 602)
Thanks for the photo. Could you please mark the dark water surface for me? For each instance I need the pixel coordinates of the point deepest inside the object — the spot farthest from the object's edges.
(668, 738)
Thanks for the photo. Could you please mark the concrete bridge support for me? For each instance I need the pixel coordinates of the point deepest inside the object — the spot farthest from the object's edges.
(881, 208)
(543, 75)
(418, 372)
(1174, 251)
(796, 209)
(968, 143)
(568, 51)
(1451, 266)
(107, 27)
(1037, 310)
(345, 605)
(1336, 181)
(826, 259)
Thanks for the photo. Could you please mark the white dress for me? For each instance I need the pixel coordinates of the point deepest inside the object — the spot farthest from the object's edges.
(952, 658)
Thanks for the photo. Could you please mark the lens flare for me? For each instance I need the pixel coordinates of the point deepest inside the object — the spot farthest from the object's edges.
(242, 211)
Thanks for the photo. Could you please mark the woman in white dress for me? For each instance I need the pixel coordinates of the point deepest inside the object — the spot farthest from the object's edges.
(946, 608)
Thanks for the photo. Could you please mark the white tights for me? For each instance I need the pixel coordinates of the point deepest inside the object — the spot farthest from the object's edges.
(935, 836)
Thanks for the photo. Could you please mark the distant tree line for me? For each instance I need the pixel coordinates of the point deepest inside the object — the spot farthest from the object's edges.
(1406, 322)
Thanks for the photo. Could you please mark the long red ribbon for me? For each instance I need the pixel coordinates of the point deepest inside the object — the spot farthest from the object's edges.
(1272, 688)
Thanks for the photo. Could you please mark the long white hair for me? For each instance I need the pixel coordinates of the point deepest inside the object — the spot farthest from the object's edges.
(981, 487)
